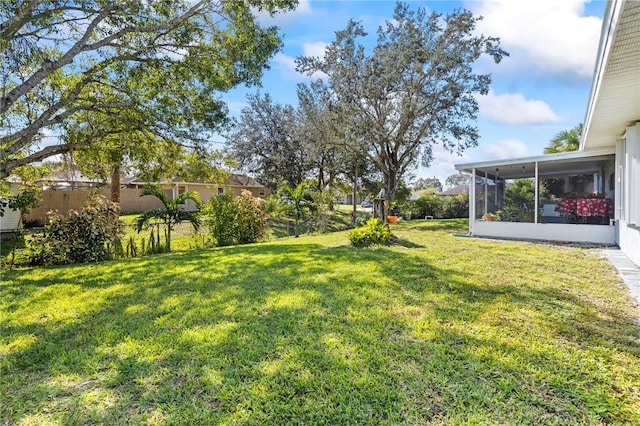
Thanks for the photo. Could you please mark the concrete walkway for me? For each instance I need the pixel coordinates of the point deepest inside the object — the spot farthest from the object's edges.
(629, 271)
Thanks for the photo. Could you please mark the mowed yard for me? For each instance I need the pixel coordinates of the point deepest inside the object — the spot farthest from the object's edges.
(436, 329)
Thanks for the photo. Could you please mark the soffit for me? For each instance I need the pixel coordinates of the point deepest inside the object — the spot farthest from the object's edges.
(617, 101)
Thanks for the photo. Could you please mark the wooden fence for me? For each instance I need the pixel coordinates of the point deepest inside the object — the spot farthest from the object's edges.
(63, 201)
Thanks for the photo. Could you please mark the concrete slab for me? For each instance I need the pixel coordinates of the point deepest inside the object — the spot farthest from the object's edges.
(629, 271)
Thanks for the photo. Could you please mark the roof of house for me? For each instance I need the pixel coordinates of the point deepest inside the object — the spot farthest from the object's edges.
(68, 177)
(548, 164)
(234, 179)
(72, 176)
(614, 102)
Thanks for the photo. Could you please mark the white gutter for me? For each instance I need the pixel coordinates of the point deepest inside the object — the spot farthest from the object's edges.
(572, 155)
(609, 22)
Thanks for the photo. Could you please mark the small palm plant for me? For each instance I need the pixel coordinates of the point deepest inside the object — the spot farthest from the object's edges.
(298, 201)
(172, 212)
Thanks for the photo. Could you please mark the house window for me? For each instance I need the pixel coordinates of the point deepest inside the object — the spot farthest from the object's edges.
(220, 190)
(261, 193)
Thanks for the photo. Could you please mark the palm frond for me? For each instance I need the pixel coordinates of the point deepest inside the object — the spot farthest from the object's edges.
(189, 195)
(157, 192)
(143, 220)
(192, 217)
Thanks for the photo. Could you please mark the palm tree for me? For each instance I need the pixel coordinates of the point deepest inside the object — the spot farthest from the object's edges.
(172, 213)
(299, 202)
(564, 141)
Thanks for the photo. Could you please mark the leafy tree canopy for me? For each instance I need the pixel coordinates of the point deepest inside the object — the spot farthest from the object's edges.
(423, 183)
(415, 88)
(267, 144)
(68, 67)
(456, 180)
(283, 145)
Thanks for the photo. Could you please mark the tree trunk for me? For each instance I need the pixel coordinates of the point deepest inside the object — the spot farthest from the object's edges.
(320, 176)
(354, 213)
(115, 184)
(392, 186)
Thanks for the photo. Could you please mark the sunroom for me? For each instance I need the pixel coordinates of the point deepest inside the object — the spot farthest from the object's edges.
(555, 197)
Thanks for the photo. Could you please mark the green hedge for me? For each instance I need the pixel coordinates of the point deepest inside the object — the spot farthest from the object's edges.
(439, 207)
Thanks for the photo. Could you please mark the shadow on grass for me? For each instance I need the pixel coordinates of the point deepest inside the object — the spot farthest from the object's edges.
(303, 333)
(406, 243)
(335, 221)
(460, 225)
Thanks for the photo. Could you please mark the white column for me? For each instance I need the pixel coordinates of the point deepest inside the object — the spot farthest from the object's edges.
(472, 201)
(486, 198)
(537, 196)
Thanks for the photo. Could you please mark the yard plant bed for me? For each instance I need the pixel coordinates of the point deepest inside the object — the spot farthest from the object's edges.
(434, 329)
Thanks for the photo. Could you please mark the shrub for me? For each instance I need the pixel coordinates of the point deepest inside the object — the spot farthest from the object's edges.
(456, 207)
(220, 213)
(373, 232)
(429, 205)
(81, 236)
(251, 218)
(239, 220)
(438, 207)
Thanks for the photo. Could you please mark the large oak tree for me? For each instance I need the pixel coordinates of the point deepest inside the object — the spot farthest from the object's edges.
(72, 65)
(415, 89)
(266, 142)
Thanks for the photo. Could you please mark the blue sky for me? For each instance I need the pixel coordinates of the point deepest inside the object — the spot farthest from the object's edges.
(542, 88)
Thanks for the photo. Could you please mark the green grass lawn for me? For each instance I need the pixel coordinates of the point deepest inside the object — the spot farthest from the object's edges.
(434, 330)
(183, 237)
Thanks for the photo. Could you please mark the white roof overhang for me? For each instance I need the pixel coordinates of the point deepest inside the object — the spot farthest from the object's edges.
(574, 162)
(614, 102)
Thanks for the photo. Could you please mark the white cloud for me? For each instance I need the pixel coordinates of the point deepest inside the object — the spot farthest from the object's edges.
(287, 67)
(282, 19)
(508, 148)
(550, 35)
(287, 64)
(285, 61)
(514, 109)
(443, 164)
(316, 49)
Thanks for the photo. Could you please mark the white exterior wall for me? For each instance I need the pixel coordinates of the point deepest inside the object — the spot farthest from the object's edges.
(628, 193)
(10, 220)
(629, 241)
(595, 234)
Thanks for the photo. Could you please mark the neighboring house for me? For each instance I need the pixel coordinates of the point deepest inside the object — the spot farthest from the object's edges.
(11, 218)
(607, 163)
(233, 185)
(456, 190)
(71, 180)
